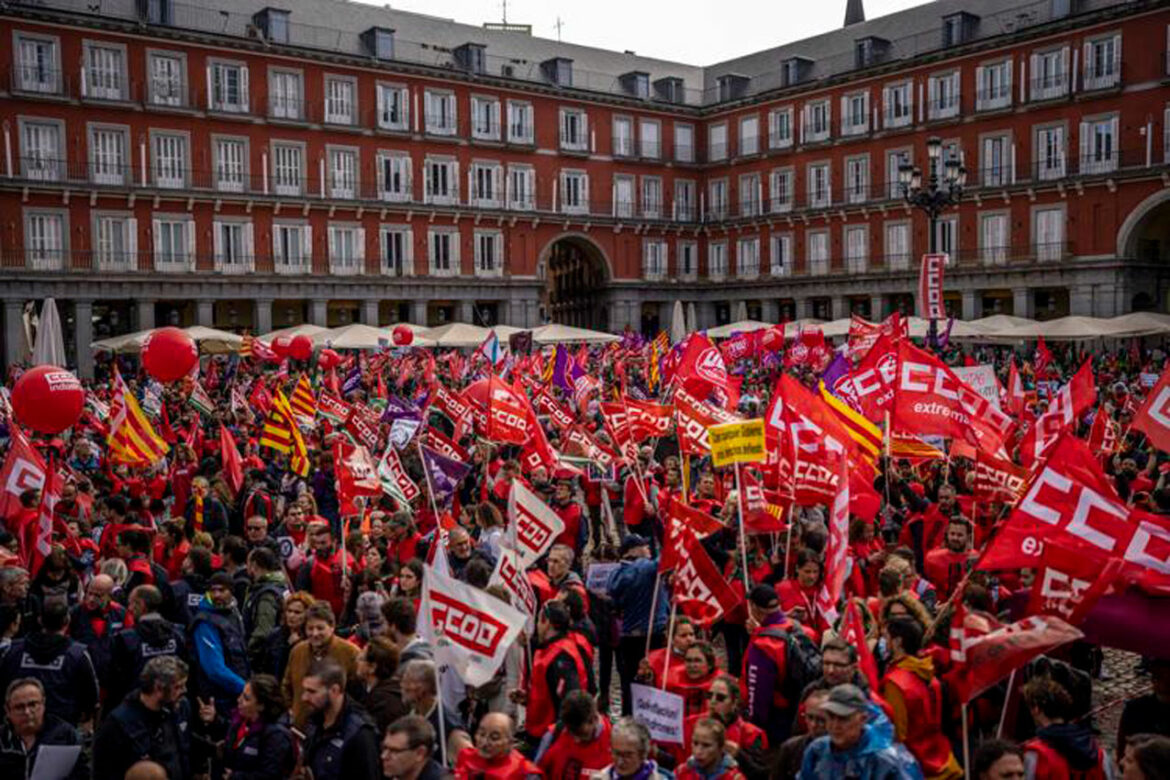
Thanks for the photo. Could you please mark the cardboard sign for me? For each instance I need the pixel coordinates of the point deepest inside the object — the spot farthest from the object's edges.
(659, 711)
(982, 380)
(737, 442)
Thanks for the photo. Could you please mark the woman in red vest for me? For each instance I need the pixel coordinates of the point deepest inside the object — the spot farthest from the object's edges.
(579, 743)
(493, 757)
(699, 670)
(709, 759)
(652, 667)
(798, 597)
(1060, 750)
(557, 669)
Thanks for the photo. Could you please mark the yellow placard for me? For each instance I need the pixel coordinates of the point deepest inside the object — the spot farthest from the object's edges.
(737, 442)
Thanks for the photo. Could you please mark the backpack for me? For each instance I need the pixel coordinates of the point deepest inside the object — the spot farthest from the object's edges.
(802, 659)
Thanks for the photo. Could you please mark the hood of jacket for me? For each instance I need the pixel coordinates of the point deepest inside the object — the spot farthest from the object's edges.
(154, 629)
(1074, 741)
(920, 665)
(45, 647)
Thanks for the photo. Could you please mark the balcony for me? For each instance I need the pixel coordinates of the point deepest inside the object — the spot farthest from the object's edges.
(993, 99)
(892, 119)
(38, 81)
(1050, 87)
(1105, 76)
(943, 108)
(623, 146)
(650, 150)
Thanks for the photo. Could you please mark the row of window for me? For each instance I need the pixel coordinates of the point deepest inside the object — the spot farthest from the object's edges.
(115, 245)
(995, 248)
(492, 184)
(937, 99)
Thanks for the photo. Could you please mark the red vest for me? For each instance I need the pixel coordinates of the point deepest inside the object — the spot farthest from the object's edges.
(570, 515)
(656, 659)
(693, 692)
(568, 759)
(1051, 765)
(325, 581)
(742, 733)
(540, 713)
(470, 765)
(924, 715)
(142, 566)
(685, 772)
(777, 650)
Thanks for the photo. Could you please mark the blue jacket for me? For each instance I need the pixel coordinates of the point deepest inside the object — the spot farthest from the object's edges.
(875, 757)
(631, 586)
(211, 654)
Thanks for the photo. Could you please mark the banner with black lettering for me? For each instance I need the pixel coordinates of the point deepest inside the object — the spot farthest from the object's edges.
(470, 630)
(930, 287)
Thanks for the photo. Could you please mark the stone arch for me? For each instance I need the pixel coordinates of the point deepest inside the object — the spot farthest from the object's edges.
(1138, 222)
(576, 273)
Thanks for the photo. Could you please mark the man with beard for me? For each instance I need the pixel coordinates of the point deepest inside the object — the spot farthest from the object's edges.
(151, 723)
(322, 574)
(220, 647)
(340, 741)
(947, 565)
(152, 636)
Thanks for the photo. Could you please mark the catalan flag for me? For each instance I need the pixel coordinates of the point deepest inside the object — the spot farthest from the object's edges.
(865, 434)
(658, 348)
(246, 345)
(281, 434)
(132, 440)
(302, 402)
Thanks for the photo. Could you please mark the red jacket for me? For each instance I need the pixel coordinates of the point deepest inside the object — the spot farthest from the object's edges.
(946, 568)
(567, 759)
(470, 765)
(693, 692)
(913, 680)
(633, 505)
(1051, 765)
(542, 711)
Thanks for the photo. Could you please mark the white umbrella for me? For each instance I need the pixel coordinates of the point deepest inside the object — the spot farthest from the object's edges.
(678, 323)
(1065, 329)
(305, 329)
(743, 326)
(1143, 323)
(212, 341)
(459, 334)
(996, 323)
(791, 329)
(49, 348)
(566, 334)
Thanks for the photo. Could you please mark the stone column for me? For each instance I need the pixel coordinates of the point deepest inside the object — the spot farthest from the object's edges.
(770, 310)
(840, 307)
(418, 312)
(1022, 302)
(262, 316)
(1080, 300)
(370, 313)
(804, 308)
(83, 336)
(319, 312)
(205, 313)
(145, 311)
(971, 305)
(15, 345)
(532, 313)
(467, 312)
(877, 307)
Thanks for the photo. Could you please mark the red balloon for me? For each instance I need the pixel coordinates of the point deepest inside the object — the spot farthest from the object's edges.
(281, 346)
(773, 339)
(48, 399)
(169, 354)
(402, 335)
(328, 359)
(301, 348)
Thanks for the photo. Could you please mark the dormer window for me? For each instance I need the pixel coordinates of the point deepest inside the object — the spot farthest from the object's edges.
(636, 84)
(795, 70)
(670, 89)
(732, 86)
(379, 43)
(558, 70)
(273, 23)
(870, 51)
(472, 57)
(959, 28)
(155, 11)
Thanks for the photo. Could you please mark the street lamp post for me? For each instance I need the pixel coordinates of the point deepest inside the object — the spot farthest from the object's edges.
(933, 198)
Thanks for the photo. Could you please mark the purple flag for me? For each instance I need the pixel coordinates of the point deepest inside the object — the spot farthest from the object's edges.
(353, 381)
(840, 367)
(397, 408)
(565, 370)
(443, 474)
(945, 338)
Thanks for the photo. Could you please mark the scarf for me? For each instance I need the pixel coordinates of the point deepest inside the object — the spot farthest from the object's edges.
(645, 772)
(198, 516)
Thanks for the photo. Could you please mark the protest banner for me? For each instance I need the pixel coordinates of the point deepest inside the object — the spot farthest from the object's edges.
(659, 711)
(737, 442)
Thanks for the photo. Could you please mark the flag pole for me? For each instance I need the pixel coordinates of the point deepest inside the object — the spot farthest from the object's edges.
(653, 611)
(747, 586)
(1006, 700)
(443, 726)
(966, 745)
(430, 490)
(669, 642)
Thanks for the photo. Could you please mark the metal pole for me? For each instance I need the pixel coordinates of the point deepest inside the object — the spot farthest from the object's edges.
(932, 242)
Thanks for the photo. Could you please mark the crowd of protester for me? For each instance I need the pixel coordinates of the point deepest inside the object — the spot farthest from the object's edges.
(182, 629)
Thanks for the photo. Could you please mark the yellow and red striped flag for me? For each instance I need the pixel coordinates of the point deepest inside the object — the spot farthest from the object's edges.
(246, 345)
(867, 435)
(280, 432)
(132, 439)
(302, 402)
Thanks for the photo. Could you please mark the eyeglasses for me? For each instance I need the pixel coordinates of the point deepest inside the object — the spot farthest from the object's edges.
(394, 751)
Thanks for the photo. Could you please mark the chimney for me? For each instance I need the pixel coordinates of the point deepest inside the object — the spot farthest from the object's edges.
(854, 12)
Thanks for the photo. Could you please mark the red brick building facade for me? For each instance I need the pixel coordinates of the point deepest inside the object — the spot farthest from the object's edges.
(256, 167)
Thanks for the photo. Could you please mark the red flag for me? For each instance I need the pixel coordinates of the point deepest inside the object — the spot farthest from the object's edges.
(812, 442)
(997, 479)
(508, 413)
(760, 516)
(930, 287)
(357, 475)
(995, 655)
(1069, 584)
(1153, 419)
(931, 399)
(1065, 408)
(233, 466)
(694, 417)
(701, 367)
(699, 588)
(682, 523)
(24, 469)
(41, 543)
(1105, 435)
(853, 632)
(164, 425)
(967, 627)
(870, 387)
(260, 398)
(836, 555)
(1016, 396)
(740, 346)
(1043, 357)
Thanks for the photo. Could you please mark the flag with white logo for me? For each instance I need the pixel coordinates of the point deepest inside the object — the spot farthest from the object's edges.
(532, 523)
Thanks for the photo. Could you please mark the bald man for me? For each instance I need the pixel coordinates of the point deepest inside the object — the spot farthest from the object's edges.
(96, 620)
(493, 754)
(146, 770)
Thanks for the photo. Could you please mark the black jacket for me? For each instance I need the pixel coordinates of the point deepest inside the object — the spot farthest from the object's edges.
(346, 751)
(152, 636)
(132, 733)
(266, 753)
(62, 666)
(16, 763)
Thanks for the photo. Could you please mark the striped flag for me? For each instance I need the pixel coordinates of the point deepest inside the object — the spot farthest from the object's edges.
(201, 401)
(302, 402)
(867, 435)
(658, 348)
(281, 434)
(246, 345)
(131, 440)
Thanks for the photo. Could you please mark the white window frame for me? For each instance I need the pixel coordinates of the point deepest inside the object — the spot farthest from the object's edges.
(781, 193)
(520, 122)
(1048, 86)
(780, 260)
(1049, 232)
(233, 262)
(393, 106)
(341, 100)
(780, 128)
(717, 260)
(395, 176)
(39, 162)
(440, 113)
(654, 259)
(687, 260)
(993, 85)
(684, 148)
(650, 139)
(46, 239)
(432, 192)
(651, 196)
(1102, 62)
(897, 244)
(44, 74)
(749, 135)
(477, 175)
(623, 143)
(853, 123)
(488, 247)
(114, 242)
(104, 169)
(283, 104)
(898, 104)
(717, 142)
(230, 175)
(485, 118)
(685, 205)
(718, 203)
(171, 255)
(170, 152)
(747, 258)
(855, 239)
(282, 169)
(1099, 144)
(521, 187)
(166, 88)
(574, 129)
(993, 237)
(1050, 151)
(994, 173)
(401, 236)
(817, 248)
(817, 122)
(903, 155)
(347, 248)
(857, 179)
(443, 252)
(574, 191)
(219, 97)
(301, 235)
(103, 71)
(750, 190)
(819, 184)
(343, 166)
(944, 97)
